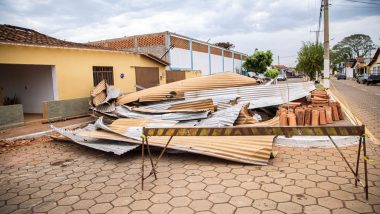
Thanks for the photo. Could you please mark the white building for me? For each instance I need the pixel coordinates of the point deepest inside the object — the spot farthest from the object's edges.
(182, 52)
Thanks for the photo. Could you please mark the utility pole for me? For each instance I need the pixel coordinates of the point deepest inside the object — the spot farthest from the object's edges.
(326, 45)
(316, 35)
(278, 59)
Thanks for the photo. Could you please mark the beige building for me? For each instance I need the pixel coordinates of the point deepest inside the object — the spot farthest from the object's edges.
(36, 68)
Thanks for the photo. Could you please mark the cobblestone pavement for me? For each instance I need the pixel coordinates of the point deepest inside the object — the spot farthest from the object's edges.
(363, 100)
(58, 177)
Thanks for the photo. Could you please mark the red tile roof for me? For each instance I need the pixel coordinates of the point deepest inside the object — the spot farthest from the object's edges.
(25, 36)
(19, 35)
(279, 66)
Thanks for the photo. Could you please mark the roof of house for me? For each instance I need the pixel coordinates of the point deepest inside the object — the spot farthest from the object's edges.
(375, 57)
(24, 36)
(359, 61)
(279, 66)
(19, 35)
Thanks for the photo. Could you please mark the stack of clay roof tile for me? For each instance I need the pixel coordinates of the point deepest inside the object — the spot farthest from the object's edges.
(319, 98)
(219, 100)
(318, 110)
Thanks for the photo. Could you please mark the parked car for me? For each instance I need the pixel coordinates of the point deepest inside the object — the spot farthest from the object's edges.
(341, 76)
(362, 79)
(373, 78)
(281, 77)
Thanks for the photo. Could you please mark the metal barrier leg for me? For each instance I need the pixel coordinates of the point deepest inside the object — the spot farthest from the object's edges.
(357, 161)
(142, 166)
(151, 160)
(344, 158)
(163, 151)
(365, 169)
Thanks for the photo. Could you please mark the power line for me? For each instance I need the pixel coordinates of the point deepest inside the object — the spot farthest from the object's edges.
(364, 2)
(320, 20)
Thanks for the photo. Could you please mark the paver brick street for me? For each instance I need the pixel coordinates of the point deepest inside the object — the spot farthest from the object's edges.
(60, 177)
(181, 107)
(363, 100)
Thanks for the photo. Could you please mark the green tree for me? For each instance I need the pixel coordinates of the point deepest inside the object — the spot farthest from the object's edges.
(310, 59)
(354, 46)
(226, 45)
(271, 73)
(258, 62)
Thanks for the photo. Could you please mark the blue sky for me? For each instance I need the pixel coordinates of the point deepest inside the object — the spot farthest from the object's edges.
(277, 25)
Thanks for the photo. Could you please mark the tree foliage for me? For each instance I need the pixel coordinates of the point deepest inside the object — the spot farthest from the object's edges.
(354, 46)
(271, 73)
(310, 59)
(258, 62)
(226, 45)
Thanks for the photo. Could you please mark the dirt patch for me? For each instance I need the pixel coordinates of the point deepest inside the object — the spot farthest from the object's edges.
(6, 146)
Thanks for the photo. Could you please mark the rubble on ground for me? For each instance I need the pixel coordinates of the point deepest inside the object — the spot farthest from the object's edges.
(6, 146)
(220, 100)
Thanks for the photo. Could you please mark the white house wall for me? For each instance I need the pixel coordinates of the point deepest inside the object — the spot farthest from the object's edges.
(349, 72)
(200, 62)
(31, 84)
(180, 58)
(216, 64)
(237, 64)
(228, 64)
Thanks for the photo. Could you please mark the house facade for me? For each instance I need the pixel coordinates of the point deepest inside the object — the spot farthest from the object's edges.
(360, 66)
(182, 52)
(36, 68)
(374, 65)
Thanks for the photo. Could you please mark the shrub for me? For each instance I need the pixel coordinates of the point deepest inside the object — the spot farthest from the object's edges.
(271, 73)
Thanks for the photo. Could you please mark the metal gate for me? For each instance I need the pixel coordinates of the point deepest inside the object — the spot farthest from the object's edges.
(146, 77)
(173, 76)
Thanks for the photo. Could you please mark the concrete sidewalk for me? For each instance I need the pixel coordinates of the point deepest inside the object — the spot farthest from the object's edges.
(61, 177)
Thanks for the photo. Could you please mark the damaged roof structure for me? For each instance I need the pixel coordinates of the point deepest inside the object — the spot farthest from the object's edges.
(220, 100)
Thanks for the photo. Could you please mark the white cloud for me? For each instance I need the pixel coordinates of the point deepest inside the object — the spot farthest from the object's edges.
(277, 25)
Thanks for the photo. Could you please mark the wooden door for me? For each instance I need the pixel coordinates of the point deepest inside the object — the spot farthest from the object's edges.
(173, 76)
(146, 77)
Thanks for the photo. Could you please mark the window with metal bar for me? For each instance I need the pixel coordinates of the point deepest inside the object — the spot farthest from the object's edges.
(103, 72)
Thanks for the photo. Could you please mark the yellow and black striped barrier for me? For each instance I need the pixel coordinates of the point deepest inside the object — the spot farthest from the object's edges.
(252, 131)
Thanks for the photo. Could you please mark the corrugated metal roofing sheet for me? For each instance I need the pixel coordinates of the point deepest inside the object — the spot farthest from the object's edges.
(244, 149)
(103, 144)
(122, 111)
(221, 102)
(177, 89)
(245, 117)
(205, 104)
(260, 96)
(226, 117)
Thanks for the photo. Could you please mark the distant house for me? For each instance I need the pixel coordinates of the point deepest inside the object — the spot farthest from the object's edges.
(182, 52)
(374, 65)
(284, 70)
(360, 66)
(39, 69)
(348, 70)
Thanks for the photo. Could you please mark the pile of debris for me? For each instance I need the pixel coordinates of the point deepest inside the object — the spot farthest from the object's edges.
(103, 97)
(219, 100)
(317, 110)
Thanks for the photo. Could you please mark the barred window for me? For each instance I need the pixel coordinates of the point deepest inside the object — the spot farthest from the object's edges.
(103, 72)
